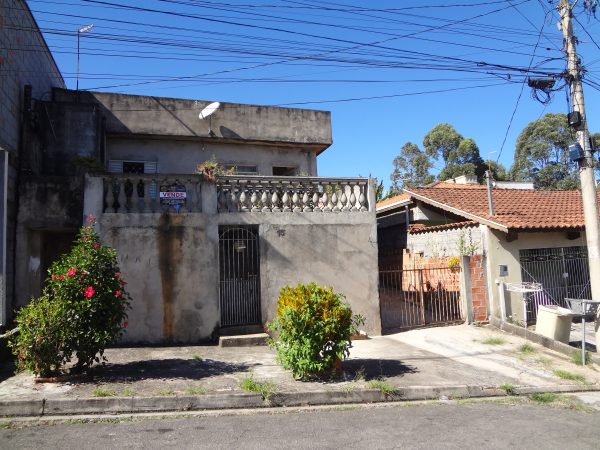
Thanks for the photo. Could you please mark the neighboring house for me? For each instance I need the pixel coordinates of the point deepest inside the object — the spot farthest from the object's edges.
(533, 236)
(27, 71)
(203, 256)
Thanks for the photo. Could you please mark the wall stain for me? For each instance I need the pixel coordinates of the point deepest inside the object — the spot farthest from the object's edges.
(170, 246)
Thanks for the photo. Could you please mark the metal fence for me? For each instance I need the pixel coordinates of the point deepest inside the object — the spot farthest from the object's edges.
(563, 273)
(412, 298)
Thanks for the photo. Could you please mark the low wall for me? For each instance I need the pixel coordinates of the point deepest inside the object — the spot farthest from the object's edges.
(170, 262)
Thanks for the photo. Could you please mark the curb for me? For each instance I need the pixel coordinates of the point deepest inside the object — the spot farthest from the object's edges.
(559, 347)
(134, 405)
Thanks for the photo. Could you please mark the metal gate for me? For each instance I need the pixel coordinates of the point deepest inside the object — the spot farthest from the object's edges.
(563, 273)
(239, 278)
(414, 298)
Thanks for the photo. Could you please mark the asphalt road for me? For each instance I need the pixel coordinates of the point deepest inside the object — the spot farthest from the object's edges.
(431, 426)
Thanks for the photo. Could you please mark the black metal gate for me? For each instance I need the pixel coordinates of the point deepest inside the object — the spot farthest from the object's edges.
(413, 298)
(563, 273)
(239, 278)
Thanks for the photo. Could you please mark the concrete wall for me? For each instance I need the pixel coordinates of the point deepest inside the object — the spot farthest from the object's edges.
(170, 262)
(20, 66)
(500, 251)
(179, 156)
(49, 216)
(443, 243)
(158, 116)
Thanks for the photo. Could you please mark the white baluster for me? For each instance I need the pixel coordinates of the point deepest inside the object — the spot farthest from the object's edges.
(110, 195)
(222, 200)
(315, 199)
(295, 200)
(254, 200)
(334, 200)
(344, 199)
(243, 199)
(275, 201)
(325, 201)
(233, 201)
(305, 202)
(361, 199)
(286, 201)
(121, 197)
(353, 200)
(264, 199)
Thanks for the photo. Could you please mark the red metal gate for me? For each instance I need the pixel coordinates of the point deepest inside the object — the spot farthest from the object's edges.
(412, 298)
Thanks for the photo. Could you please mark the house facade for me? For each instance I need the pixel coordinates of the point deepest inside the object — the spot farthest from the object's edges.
(531, 237)
(202, 255)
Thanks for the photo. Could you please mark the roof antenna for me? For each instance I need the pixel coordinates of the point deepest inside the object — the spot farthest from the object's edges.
(208, 111)
(488, 176)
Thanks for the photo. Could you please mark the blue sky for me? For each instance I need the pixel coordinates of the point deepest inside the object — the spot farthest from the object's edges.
(387, 70)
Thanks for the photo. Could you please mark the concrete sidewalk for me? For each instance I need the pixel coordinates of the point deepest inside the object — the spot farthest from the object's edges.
(459, 361)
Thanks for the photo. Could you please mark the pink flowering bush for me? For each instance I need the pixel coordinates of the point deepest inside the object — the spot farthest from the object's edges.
(83, 308)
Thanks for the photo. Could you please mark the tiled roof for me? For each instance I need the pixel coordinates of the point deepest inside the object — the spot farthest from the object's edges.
(452, 185)
(392, 200)
(435, 185)
(421, 228)
(515, 209)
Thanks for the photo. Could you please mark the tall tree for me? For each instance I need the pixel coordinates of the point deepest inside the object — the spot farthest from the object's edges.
(465, 160)
(542, 154)
(441, 141)
(411, 168)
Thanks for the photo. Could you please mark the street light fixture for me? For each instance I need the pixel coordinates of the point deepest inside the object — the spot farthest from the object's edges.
(81, 30)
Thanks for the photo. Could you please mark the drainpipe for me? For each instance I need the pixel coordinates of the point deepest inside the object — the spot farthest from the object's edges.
(488, 177)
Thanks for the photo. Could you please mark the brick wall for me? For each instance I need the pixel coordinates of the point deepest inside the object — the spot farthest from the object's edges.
(478, 288)
(24, 60)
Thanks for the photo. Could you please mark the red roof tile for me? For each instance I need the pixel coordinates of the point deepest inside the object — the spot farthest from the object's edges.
(421, 228)
(518, 209)
(392, 200)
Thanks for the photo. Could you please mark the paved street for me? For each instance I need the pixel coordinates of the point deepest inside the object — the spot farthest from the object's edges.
(441, 425)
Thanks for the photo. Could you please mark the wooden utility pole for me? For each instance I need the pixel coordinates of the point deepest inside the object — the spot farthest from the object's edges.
(586, 170)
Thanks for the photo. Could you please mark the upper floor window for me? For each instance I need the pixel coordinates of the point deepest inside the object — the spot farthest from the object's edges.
(240, 170)
(284, 171)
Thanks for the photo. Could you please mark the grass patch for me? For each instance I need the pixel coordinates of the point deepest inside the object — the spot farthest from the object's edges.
(492, 340)
(263, 388)
(546, 362)
(544, 397)
(197, 357)
(360, 374)
(103, 392)
(566, 375)
(195, 390)
(165, 393)
(577, 359)
(382, 386)
(527, 349)
(128, 392)
(508, 388)
(5, 424)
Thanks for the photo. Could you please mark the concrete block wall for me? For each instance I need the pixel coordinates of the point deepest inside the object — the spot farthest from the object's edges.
(24, 60)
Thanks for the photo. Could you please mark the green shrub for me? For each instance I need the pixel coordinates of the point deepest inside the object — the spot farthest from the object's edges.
(81, 311)
(314, 328)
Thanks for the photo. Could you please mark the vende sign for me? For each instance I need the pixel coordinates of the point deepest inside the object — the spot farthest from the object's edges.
(173, 195)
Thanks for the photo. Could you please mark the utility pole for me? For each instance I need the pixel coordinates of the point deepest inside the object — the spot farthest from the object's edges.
(586, 170)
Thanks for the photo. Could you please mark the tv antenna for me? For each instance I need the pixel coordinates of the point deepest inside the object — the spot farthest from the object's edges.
(208, 111)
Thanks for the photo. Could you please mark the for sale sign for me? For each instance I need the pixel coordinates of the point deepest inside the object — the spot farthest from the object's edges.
(173, 195)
